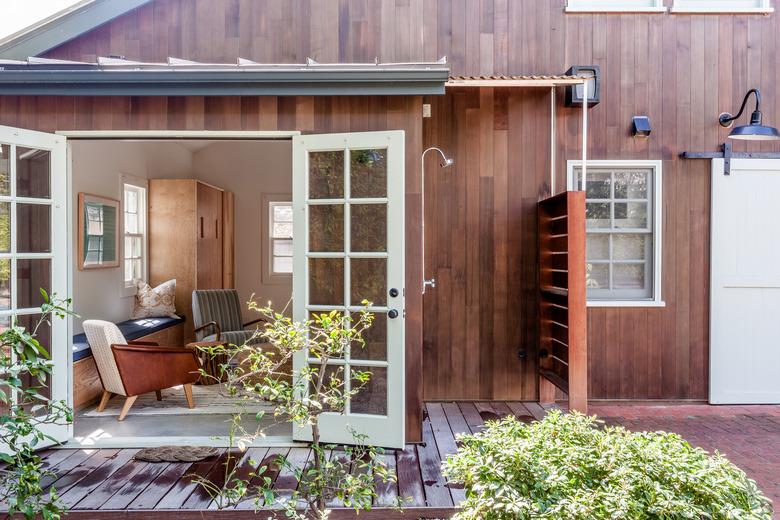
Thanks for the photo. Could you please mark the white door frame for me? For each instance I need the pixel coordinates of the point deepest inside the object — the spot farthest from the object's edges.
(382, 430)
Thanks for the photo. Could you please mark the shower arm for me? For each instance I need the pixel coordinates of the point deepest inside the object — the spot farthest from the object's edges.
(431, 282)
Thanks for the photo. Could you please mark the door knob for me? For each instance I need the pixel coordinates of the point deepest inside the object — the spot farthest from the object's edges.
(393, 292)
(392, 314)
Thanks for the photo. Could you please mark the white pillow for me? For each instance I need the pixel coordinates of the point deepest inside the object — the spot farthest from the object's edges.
(157, 302)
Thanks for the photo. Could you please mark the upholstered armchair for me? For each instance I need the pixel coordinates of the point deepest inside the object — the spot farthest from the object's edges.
(132, 368)
(216, 315)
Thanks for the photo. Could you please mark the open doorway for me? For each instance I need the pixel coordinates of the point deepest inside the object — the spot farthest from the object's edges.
(241, 239)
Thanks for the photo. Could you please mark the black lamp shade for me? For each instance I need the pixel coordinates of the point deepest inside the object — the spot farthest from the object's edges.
(574, 92)
(755, 133)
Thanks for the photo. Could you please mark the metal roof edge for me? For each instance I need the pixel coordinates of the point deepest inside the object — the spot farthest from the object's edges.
(63, 27)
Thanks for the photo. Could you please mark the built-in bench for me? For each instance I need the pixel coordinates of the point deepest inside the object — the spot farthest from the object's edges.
(86, 381)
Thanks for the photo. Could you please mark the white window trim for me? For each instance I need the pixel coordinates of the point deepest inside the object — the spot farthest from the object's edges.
(591, 6)
(269, 277)
(765, 7)
(132, 180)
(657, 166)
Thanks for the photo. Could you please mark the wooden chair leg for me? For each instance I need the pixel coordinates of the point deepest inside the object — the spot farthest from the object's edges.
(104, 400)
(188, 395)
(158, 393)
(126, 407)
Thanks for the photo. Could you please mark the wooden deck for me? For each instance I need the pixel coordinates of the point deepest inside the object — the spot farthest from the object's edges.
(108, 483)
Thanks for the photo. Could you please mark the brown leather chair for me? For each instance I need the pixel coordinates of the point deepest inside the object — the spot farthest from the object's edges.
(134, 368)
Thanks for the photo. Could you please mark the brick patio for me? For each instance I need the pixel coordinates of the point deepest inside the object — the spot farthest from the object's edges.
(748, 435)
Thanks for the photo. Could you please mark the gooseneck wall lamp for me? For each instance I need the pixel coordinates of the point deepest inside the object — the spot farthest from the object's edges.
(445, 162)
(755, 130)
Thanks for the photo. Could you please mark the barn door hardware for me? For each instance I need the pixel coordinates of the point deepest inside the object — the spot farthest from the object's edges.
(726, 153)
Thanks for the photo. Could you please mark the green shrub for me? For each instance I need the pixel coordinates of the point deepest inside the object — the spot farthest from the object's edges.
(567, 467)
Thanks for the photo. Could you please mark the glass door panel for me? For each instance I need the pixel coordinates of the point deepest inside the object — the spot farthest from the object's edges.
(348, 204)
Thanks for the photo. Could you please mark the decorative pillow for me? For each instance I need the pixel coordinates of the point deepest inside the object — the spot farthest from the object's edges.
(155, 302)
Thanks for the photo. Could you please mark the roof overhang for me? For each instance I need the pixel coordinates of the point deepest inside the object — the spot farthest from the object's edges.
(119, 77)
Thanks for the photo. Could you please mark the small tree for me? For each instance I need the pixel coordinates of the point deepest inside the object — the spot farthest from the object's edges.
(256, 372)
(26, 366)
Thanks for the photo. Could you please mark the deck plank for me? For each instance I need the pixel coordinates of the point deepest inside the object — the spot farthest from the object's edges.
(341, 456)
(445, 443)
(536, 410)
(160, 486)
(455, 418)
(286, 483)
(135, 485)
(410, 485)
(486, 411)
(522, 413)
(502, 409)
(472, 416)
(272, 472)
(94, 479)
(386, 492)
(200, 497)
(75, 475)
(436, 492)
(61, 469)
(180, 492)
(110, 486)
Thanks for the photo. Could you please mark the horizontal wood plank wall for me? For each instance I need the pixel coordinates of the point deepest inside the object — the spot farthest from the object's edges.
(307, 114)
(680, 70)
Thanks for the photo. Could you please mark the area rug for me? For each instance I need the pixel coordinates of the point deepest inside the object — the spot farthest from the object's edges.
(208, 400)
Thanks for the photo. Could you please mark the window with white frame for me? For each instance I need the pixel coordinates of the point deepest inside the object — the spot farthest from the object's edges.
(280, 232)
(623, 243)
(615, 6)
(722, 6)
(134, 207)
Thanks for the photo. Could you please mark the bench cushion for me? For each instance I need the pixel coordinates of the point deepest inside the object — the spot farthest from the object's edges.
(131, 329)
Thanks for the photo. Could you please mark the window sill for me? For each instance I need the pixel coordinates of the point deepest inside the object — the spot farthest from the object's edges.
(725, 10)
(616, 10)
(626, 303)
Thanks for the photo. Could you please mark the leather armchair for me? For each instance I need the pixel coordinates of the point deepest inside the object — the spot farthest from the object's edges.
(130, 368)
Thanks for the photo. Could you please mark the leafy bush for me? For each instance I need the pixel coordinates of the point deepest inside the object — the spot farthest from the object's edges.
(567, 467)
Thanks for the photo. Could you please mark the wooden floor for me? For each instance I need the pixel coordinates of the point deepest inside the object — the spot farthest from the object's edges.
(109, 483)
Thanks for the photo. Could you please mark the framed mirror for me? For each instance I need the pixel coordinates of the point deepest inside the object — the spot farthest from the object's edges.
(98, 232)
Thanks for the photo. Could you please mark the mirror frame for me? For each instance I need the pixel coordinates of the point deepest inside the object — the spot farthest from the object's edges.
(84, 199)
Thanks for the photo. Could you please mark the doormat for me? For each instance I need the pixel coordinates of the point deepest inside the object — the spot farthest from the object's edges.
(175, 454)
(209, 400)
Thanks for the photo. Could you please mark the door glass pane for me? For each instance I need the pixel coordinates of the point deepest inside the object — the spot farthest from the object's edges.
(631, 215)
(372, 397)
(368, 173)
(333, 376)
(43, 336)
(597, 276)
(5, 227)
(32, 173)
(627, 246)
(5, 323)
(375, 338)
(369, 281)
(5, 284)
(313, 315)
(326, 281)
(326, 228)
(368, 227)
(32, 276)
(326, 175)
(629, 276)
(597, 246)
(33, 228)
(5, 169)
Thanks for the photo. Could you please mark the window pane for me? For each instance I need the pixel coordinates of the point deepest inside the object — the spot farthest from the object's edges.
(131, 223)
(599, 183)
(128, 271)
(283, 247)
(283, 264)
(137, 269)
(5, 284)
(631, 184)
(33, 173)
(5, 169)
(137, 246)
(628, 246)
(368, 173)
(131, 200)
(31, 277)
(33, 228)
(282, 230)
(597, 246)
(629, 276)
(326, 175)
(5, 227)
(597, 214)
(631, 215)
(597, 276)
(282, 213)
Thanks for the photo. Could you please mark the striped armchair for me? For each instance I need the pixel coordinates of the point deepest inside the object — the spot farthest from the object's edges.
(216, 315)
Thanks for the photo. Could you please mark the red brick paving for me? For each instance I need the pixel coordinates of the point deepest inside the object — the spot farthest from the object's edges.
(749, 436)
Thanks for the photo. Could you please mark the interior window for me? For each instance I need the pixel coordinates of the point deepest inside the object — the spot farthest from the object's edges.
(280, 218)
(135, 233)
(621, 232)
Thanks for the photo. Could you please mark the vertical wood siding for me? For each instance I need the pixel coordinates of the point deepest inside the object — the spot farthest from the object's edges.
(680, 70)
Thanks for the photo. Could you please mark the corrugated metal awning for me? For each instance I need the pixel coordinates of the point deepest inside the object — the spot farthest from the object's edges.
(514, 81)
(116, 76)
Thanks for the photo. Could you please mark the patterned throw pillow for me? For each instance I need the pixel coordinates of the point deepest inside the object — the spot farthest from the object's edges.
(155, 302)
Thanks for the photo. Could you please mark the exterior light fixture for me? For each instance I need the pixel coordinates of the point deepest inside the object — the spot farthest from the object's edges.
(640, 126)
(574, 92)
(754, 131)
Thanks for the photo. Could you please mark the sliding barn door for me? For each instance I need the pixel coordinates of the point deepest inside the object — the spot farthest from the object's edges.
(33, 246)
(348, 223)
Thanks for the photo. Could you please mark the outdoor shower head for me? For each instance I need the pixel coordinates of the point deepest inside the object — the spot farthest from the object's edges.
(445, 162)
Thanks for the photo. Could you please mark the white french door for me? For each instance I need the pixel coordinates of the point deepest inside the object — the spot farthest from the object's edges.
(348, 203)
(33, 245)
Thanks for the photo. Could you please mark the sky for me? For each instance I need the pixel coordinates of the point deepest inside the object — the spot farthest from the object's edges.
(18, 14)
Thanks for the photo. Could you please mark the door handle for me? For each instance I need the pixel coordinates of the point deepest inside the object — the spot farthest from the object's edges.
(392, 314)
(393, 292)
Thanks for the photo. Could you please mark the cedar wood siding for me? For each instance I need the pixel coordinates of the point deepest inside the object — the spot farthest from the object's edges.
(680, 70)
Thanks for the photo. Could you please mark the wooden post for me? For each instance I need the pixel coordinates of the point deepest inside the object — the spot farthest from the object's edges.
(578, 314)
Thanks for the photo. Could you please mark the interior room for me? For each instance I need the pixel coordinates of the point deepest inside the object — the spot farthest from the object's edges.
(216, 216)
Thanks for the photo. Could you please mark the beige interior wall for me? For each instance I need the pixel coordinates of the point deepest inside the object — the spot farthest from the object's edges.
(249, 169)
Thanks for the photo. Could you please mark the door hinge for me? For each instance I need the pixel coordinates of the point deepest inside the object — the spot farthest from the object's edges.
(404, 314)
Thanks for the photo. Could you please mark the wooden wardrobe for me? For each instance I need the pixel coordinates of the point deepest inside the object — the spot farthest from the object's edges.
(190, 239)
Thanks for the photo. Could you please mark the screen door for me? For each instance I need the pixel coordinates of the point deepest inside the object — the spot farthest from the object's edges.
(348, 239)
(33, 244)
